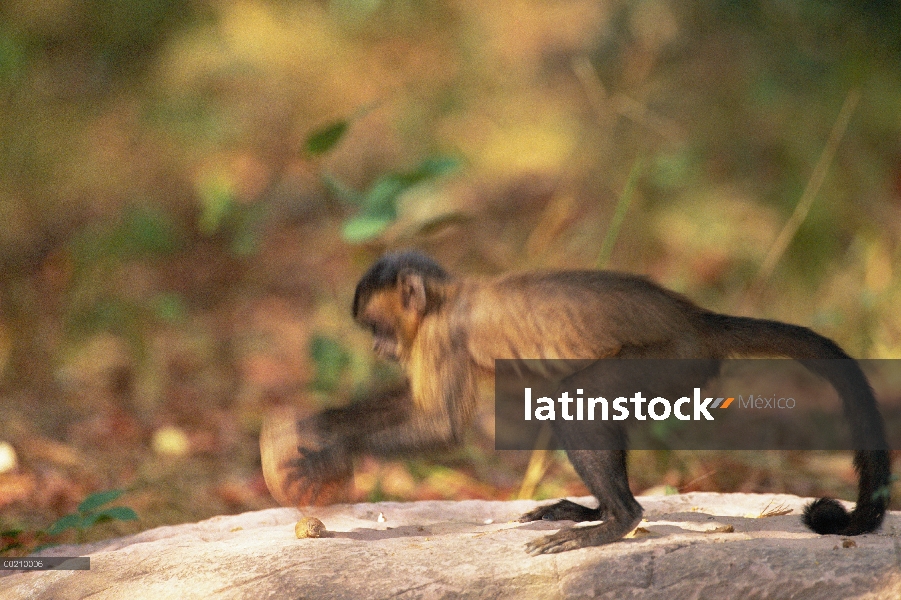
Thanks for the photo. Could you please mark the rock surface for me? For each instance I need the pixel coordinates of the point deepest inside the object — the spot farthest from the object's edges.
(472, 549)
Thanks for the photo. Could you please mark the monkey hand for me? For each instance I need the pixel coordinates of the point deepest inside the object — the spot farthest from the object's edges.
(302, 465)
(313, 473)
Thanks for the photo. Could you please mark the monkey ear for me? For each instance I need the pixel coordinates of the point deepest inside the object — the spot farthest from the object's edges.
(412, 291)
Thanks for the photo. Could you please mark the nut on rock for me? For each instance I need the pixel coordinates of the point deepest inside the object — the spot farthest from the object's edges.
(309, 527)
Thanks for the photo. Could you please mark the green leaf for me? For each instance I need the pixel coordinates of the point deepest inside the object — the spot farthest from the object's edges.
(619, 214)
(363, 228)
(434, 167)
(428, 169)
(332, 359)
(324, 139)
(95, 519)
(115, 513)
(64, 523)
(342, 192)
(381, 199)
(98, 499)
(326, 351)
(218, 202)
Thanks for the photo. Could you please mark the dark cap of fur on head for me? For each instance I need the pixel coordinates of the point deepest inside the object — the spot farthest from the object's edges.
(383, 274)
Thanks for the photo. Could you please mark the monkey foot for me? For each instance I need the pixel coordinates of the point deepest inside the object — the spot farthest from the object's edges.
(564, 510)
(581, 537)
(557, 542)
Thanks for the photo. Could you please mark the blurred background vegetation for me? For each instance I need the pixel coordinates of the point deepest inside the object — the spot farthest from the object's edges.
(189, 190)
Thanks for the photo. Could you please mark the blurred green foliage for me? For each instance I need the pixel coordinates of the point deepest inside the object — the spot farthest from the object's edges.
(142, 232)
(323, 140)
(90, 513)
(97, 253)
(332, 360)
(221, 212)
(378, 205)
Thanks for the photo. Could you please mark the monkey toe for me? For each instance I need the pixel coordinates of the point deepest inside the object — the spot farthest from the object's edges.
(582, 537)
(564, 510)
(552, 544)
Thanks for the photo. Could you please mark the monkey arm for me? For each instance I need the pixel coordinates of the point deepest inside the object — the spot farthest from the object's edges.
(303, 464)
(430, 413)
(397, 424)
(422, 432)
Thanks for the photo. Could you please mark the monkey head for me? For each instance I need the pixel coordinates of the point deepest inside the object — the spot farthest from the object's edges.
(393, 297)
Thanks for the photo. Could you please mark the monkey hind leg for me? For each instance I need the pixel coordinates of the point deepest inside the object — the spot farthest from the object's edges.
(564, 510)
(604, 473)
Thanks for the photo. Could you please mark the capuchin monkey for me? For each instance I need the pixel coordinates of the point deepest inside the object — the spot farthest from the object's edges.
(446, 333)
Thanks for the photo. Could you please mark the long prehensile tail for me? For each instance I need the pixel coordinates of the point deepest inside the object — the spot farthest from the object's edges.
(735, 336)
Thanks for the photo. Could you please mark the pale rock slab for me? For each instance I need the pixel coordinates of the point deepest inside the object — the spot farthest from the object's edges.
(474, 549)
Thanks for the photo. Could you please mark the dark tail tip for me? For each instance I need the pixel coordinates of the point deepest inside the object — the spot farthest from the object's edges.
(826, 516)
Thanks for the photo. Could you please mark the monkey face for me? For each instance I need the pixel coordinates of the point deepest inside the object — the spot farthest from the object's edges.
(379, 315)
(393, 315)
(385, 344)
